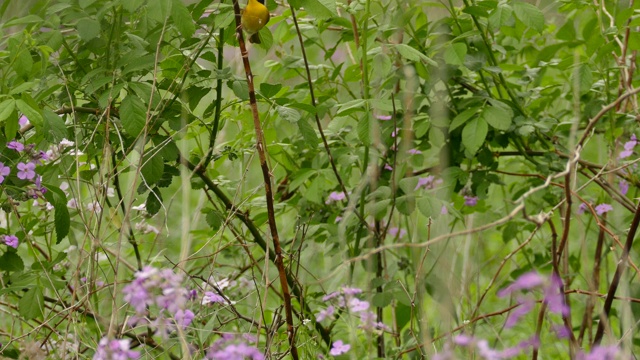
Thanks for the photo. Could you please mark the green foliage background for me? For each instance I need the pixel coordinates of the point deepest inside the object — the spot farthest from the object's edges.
(502, 100)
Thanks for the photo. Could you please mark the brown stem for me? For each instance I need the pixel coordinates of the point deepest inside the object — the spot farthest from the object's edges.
(266, 175)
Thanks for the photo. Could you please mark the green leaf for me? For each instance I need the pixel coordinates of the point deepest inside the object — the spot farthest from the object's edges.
(30, 109)
(144, 91)
(159, 10)
(269, 90)
(530, 15)
(23, 63)
(308, 133)
(31, 305)
(54, 127)
(61, 217)
(133, 115)
(29, 19)
(182, 19)
(412, 54)
(476, 11)
(6, 108)
(131, 5)
(364, 130)
(582, 78)
(213, 218)
(382, 299)
(10, 261)
(497, 116)
(152, 168)
(321, 9)
(240, 89)
(455, 54)
(154, 201)
(501, 16)
(289, 114)
(143, 63)
(430, 206)
(474, 134)
(88, 29)
(12, 125)
(462, 118)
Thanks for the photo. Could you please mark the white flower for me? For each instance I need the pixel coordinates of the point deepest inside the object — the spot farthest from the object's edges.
(72, 204)
(94, 207)
(66, 143)
(141, 207)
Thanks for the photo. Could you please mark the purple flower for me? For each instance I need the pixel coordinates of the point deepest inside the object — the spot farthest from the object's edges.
(394, 133)
(394, 231)
(339, 348)
(330, 296)
(414, 151)
(136, 294)
(335, 196)
(603, 208)
(388, 167)
(27, 171)
(357, 305)
(230, 347)
(368, 322)
(184, 317)
(324, 314)
(464, 340)
(628, 147)
(14, 145)
(384, 117)
(554, 297)
(623, 185)
(351, 291)
(114, 349)
(4, 171)
(525, 307)
(23, 121)
(562, 332)
(470, 200)
(426, 182)
(527, 281)
(582, 208)
(600, 353)
(625, 154)
(444, 210)
(11, 240)
(211, 298)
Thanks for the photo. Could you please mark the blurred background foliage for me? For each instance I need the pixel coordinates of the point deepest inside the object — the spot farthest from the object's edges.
(488, 98)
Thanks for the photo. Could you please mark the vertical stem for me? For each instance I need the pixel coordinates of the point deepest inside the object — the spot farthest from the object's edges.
(622, 264)
(266, 175)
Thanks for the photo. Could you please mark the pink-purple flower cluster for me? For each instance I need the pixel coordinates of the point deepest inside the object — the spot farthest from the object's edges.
(481, 346)
(26, 169)
(114, 350)
(335, 196)
(552, 290)
(162, 288)
(628, 147)
(470, 200)
(11, 240)
(346, 300)
(233, 347)
(428, 182)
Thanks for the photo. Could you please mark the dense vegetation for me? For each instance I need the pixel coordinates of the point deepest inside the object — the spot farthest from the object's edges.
(376, 179)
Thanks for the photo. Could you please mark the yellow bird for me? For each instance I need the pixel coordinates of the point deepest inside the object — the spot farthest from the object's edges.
(254, 17)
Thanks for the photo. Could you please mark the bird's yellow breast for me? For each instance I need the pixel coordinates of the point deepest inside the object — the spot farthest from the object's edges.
(254, 17)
